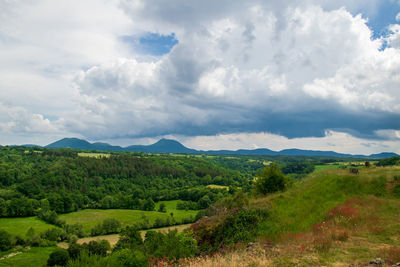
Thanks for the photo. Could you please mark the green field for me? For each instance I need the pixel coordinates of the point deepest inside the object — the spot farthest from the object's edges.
(28, 257)
(19, 226)
(91, 217)
(324, 167)
(94, 155)
(218, 186)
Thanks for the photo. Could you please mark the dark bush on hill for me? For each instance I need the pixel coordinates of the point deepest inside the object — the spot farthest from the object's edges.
(227, 222)
(59, 257)
(5, 240)
(270, 180)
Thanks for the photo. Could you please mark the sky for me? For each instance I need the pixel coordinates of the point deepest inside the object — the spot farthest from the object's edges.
(308, 74)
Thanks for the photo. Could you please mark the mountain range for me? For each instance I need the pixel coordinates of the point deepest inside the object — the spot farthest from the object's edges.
(172, 146)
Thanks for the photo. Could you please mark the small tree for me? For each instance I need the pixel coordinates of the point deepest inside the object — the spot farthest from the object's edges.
(5, 240)
(271, 180)
(149, 204)
(58, 257)
(162, 208)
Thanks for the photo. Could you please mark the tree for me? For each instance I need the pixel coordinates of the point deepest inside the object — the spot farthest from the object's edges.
(5, 240)
(271, 180)
(205, 202)
(149, 204)
(58, 257)
(162, 208)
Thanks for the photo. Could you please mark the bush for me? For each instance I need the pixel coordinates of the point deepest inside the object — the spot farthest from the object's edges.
(98, 248)
(396, 190)
(58, 257)
(172, 245)
(130, 238)
(49, 216)
(129, 258)
(270, 180)
(5, 240)
(74, 250)
(111, 226)
(162, 208)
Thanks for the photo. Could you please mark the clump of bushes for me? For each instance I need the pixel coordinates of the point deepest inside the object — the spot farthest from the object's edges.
(108, 226)
(228, 222)
(270, 180)
(132, 250)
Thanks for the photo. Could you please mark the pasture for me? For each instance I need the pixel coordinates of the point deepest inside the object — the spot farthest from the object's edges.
(19, 226)
(91, 217)
(215, 186)
(93, 155)
(36, 256)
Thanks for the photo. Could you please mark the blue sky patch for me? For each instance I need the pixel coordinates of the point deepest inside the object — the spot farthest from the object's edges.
(380, 19)
(152, 43)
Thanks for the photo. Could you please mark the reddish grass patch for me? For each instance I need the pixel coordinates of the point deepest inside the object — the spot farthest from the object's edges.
(391, 255)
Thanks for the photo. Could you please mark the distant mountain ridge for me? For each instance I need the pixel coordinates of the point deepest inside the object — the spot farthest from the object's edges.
(173, 146)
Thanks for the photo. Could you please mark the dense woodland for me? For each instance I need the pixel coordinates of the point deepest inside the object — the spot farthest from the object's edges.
(31, 178)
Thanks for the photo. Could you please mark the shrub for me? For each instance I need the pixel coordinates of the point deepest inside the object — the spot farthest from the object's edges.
(5, 240)
(74, 250)
(270, 180)
(172, 245)
(129, 258)
(162, 208)
(58, 257)
(396, 190)
(111, 226)
(130, 238)
(98, 247)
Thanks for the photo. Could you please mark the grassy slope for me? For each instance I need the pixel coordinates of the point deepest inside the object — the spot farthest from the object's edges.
(91, 217)
(331, 218)
(19, 226)
(31, 257)
(307, 202)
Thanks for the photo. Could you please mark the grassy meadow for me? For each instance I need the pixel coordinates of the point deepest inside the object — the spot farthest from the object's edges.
(19, 226)
(36, 256)
(93, 155)
(91, 217)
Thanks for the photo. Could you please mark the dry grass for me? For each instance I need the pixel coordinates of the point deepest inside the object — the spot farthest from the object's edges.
(234, 259)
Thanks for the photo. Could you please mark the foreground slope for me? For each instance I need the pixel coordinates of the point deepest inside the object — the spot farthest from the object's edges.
(331, 218)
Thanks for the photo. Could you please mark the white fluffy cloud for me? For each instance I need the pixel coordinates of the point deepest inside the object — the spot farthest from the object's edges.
(232, 73)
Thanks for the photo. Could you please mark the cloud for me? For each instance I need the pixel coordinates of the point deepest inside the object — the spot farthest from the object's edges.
(14, 119)
(292, 75)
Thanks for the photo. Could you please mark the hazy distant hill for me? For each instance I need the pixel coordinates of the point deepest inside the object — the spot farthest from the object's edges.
(162, 146)
(172, 146)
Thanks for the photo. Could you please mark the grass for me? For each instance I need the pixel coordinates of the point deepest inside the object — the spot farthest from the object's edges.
(215, 186)
(19, 226)
(94, 155)
(91, 217)
(324, 167)
(308, 200)
(36, 256)
(331, 218)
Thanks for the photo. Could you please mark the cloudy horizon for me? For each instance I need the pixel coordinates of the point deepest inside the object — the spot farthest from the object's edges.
(320, 75)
